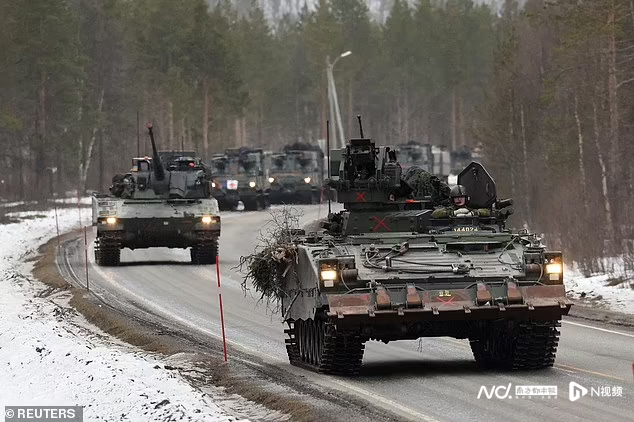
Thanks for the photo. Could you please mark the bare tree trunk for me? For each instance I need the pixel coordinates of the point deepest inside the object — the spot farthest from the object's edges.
(85, 161)
(582, 168)
(101, 161)
(183, 133)
(461, 125)
(238, 131)
(526, 185)
(604, 175)
(244, 131)
(406, 136)
(612, 97)
(170, 123)
(453, 120)
(206, 119)
(40, 161)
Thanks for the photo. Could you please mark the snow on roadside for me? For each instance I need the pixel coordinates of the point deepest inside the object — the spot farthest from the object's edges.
(596, 288)
(46, 361)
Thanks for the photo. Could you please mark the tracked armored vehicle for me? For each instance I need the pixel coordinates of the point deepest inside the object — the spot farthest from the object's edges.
(383, 269)
(296, 175)
(152, 206)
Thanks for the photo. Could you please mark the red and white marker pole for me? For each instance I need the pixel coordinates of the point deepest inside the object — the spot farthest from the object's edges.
(86, 256)
(56, 223)
(222, 315)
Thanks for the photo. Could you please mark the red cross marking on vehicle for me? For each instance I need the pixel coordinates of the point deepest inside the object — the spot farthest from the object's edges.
(380, 223)
(361, 197)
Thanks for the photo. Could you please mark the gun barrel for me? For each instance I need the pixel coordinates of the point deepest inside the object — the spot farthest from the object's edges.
(159, 170)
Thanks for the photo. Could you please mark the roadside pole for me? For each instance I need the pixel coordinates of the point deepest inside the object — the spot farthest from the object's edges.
(222, 316)
(86, 256)
(56, 223)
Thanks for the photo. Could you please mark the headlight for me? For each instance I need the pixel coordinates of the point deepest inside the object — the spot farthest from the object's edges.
(554, 268)
(328, 274)
(111, 220)
(213, 184)
(306, 179)
(271, 179)
(206, 219)
(252, 184)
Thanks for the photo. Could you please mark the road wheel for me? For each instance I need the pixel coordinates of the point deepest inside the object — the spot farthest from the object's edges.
(518, 345)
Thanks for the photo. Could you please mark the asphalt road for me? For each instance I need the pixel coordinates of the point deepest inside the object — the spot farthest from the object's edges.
(430, 379)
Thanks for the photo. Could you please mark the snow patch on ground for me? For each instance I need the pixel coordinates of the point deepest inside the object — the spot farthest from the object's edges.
(48, 361)
(611, 289)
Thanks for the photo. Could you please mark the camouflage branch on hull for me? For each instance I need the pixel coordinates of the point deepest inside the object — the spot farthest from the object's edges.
(425, 185)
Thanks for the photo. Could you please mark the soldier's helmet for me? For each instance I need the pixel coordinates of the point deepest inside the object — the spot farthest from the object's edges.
(458, 195)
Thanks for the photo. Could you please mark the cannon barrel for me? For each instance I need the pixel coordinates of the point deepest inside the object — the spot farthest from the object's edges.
(159, 170)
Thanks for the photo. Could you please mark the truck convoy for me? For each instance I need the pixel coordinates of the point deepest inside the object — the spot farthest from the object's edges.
(164, 201)
(296, 174)
(390, 267)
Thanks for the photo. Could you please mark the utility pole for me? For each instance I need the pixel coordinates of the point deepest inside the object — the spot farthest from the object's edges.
(335, 113)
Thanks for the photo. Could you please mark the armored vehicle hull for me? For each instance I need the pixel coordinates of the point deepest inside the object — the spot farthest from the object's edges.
(393, 266)
(290, 189)
(228, 199)
(152, 223)
(158, 205)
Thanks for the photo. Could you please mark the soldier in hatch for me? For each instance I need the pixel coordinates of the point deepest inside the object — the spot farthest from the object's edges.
(459, 206)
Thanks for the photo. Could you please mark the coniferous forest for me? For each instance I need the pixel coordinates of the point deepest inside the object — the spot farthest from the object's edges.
(544, 87)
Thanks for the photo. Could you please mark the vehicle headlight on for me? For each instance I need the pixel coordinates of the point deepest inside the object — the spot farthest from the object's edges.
(252, 184)
(271, 179)
(111, 220)
(328, 273)
(306, 179)
(213, 184)
(206, 219)
(554, 268)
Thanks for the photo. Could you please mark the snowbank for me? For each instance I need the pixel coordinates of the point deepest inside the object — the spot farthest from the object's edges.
(48, 360)
(609, 290)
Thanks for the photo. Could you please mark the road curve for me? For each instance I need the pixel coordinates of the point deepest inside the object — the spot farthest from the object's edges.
(430, 379)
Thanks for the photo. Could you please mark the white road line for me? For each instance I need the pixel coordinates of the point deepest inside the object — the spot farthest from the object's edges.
(385, 401)
(599, 329)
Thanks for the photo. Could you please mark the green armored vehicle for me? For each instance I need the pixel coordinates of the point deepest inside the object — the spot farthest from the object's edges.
(244, 171)
(158, 205)
(384, 269)
(223, 187)
(296, 175)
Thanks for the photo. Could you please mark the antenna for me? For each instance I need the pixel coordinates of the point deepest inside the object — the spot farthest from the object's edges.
(360, 125)
(328, 160)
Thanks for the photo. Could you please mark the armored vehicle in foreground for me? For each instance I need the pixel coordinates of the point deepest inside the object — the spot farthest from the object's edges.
(242, 170)
(384, 269)
(154, 206)
(296, 175)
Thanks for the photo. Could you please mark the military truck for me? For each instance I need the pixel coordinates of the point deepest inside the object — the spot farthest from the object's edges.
(383, 269)
(152, 206)
(244, 170)
(296, 175)
(223, 187)
(415, 154)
